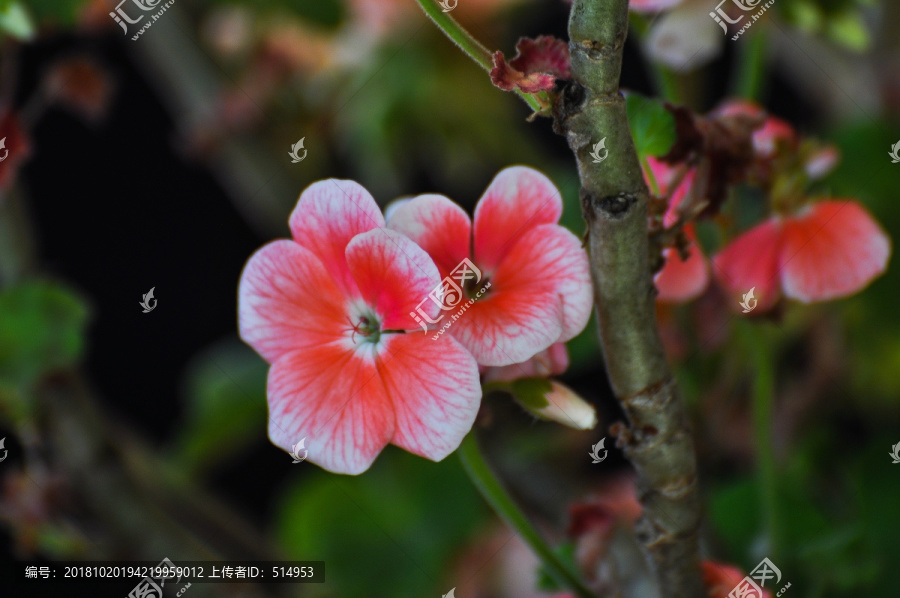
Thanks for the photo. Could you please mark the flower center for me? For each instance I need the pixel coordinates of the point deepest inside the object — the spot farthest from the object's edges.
(472, 288)
(365, 329)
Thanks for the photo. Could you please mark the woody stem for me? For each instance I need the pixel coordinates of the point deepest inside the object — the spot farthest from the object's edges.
(614, 198)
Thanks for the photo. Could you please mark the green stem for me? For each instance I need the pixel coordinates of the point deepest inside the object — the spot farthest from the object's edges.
(467, 43)
(667, 83)
(493, 492)
(665, 78)
(763, 419)
(751, 68)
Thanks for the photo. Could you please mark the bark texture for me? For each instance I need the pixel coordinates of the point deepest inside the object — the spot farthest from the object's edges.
(657, 439)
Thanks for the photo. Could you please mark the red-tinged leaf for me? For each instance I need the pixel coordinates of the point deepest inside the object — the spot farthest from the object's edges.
(536, 67)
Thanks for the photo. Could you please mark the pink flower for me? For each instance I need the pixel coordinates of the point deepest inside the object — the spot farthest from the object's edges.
(773, 132)
(828, 250)
(550, 362)
(328, 310)
(540, 290)
(679, 280)
(776, 134)
(652, 5)
(721, 579)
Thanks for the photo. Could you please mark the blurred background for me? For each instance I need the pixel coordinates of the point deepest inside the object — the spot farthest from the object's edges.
(162, 162)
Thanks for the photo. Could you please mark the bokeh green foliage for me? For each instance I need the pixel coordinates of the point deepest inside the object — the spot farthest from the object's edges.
(394, 531)
(837, 487)
(42, 329)
(225, 388)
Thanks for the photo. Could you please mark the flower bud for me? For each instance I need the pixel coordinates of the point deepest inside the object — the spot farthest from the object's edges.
(550, 400)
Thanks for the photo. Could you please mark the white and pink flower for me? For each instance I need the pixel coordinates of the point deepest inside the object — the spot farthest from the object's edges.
(827, 250)
(328, 309)
(540, 291)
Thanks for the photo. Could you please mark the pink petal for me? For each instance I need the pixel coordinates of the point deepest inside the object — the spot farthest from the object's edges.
(549, 362)
(822, 161)
(662, 173)
(678, 196)
(505, 327)
(751, 261)
(736, 106)
(551, 257)
(507, 78)
(833, 250)
(518, 199)
(393, 206)
(720, 579)
(545, 54)
(553, 251)
(287, 300)
(328, 214)
(773, 132)
(652, 5)
(394, 275)
(435, 391)
(335, 398)
(682, 280)
(537, 65)
(438, 226)
(540, 294)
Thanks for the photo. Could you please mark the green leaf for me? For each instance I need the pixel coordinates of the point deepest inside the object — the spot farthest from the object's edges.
(804, 15)
(652, 126)
(226, 393)
(15, 21)
(42, 328)
(849, 30)
(734, 513)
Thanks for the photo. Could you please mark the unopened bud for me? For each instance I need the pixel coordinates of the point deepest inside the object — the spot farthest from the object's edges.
(550, 400)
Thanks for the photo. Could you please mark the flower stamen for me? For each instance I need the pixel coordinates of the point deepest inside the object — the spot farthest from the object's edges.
(364, 327)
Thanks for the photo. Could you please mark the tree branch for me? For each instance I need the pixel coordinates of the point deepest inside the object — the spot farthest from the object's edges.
(614, 198)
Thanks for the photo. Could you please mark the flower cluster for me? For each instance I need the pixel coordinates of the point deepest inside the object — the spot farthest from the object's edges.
(332, 310)
(808, 249)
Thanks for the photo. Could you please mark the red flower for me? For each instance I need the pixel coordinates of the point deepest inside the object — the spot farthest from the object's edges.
(830, 249)
(328, 310)
(540, 290)
(536, 67)
(721, 579)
